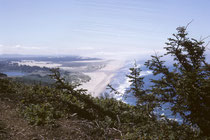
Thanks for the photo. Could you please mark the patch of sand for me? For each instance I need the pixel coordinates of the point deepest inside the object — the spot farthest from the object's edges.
(101, 78)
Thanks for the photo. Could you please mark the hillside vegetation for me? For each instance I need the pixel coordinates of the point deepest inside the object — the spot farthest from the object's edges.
(64, 111)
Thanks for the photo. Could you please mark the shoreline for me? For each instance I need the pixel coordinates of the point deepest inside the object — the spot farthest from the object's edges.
(101, 78)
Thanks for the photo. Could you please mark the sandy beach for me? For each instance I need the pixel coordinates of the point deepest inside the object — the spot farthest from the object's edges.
(101, 78)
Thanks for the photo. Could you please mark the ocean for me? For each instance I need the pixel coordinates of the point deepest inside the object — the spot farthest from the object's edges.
(121, 83)
(14, 73)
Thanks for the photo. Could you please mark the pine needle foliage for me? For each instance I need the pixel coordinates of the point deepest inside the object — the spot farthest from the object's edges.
(186, 84)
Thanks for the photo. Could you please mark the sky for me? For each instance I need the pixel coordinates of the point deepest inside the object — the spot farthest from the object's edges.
(101, 28)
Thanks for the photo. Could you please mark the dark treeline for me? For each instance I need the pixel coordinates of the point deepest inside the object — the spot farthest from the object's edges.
(8, 66)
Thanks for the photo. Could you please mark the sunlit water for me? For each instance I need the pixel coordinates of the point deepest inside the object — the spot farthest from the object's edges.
(14, 73)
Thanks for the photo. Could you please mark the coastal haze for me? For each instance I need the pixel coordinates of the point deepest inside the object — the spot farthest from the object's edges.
(93, 73)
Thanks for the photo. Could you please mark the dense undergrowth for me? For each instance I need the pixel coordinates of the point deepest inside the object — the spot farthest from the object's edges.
(109, 118)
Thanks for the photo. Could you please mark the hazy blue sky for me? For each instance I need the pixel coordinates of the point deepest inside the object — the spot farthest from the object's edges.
(97, 27)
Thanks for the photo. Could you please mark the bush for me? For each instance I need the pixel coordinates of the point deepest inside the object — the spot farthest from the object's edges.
(40, 114)
(109, 118)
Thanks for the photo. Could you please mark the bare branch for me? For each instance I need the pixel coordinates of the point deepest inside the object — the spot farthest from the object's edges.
(207, 45)
(188, 24)
(112, 89)
(205, 38)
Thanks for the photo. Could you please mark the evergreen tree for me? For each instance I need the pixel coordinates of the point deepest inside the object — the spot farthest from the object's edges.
(145, 99)
(187, 85)
(136, 84)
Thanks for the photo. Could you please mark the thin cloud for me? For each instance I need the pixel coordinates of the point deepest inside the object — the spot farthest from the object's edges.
(19, 49)
(86, 48)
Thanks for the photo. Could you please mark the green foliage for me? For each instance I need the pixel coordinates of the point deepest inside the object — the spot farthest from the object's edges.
(187, 86)
(107, 117)
(145, 100)
(40, 114)
(5, 85)
(133, 122)
(136, 86)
